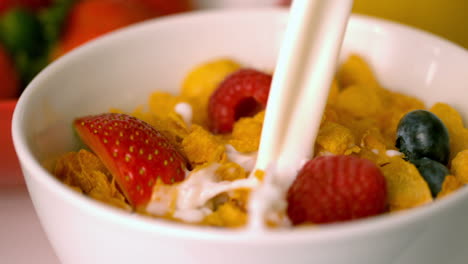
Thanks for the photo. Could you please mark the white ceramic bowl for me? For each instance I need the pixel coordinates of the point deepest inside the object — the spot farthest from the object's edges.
(120, 70)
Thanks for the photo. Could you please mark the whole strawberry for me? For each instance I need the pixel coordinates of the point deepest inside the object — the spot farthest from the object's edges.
(336, 188)
(243, 93)
(135, 153)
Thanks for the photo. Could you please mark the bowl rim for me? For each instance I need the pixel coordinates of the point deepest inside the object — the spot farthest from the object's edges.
(160, 226)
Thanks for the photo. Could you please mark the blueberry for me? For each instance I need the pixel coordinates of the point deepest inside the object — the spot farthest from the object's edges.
(422, 134)
(433, 172)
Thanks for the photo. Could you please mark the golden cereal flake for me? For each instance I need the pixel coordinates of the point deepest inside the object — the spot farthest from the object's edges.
(90, 162)
(199, 111)
(163, 103)
(403, 102)
(231, 171)
(246, 133)
(356, 71)
(163, 200)
(395, 106)
(107, 192)
(85, 172)
(89, 177)
(201, 147)
(406, 188)
(358, 126)
(66, 167)
(227, 215)
(240, 197)
(372, 156)
(459, 166)
(447, 114)
(140, 113)
(200, 83)
(452, 120)
(450, 184)
(373, 146)
(335, 138)
(204, 78)
(330, 114)
(372, 139)
(333, 93)
(360, 100)
(173, 128)
(259, 174)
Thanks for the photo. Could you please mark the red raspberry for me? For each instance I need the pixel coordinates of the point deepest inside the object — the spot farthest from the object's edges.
(243, 93)
(336, 188)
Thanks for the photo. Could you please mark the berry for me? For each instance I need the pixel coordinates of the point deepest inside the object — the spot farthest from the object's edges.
(243, 93)
(336, 188)
(421, 134)
(9, 79)
(135, 153)
(89, 19)
(165, 7)
(433, 172)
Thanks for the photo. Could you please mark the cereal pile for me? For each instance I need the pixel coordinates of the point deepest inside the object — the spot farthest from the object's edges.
(362, 119)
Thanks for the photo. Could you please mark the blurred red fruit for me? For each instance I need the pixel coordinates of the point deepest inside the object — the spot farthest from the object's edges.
(33, 5)
(89, 19)
(9, 79)
(167, 7)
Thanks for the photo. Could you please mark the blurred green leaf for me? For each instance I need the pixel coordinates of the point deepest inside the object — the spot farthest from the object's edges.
(21, 32)
(53, 18)
(30, 37)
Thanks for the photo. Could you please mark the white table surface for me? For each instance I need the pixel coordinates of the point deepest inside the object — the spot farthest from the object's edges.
(22, 240)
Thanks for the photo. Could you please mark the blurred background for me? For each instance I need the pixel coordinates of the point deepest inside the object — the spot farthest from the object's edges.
(34, 33)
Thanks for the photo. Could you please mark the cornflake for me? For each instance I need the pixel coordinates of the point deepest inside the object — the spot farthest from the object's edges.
(84, 172)
(201, 147)
(460, 166)
(406, 188)
(457, 132)
(246, 133)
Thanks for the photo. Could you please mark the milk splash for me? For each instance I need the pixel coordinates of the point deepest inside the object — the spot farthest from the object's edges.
(190, 198)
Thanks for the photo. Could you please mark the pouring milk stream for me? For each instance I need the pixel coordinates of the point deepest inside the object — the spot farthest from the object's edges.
(304, 72)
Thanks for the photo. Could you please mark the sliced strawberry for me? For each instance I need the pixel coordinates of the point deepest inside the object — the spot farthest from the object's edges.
(243, 93)
(336, 188)
(135, 153)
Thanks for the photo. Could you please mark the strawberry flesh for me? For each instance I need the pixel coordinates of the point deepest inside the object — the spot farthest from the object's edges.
(135, 153)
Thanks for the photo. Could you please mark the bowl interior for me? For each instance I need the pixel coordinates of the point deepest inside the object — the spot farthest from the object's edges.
(121, 70)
